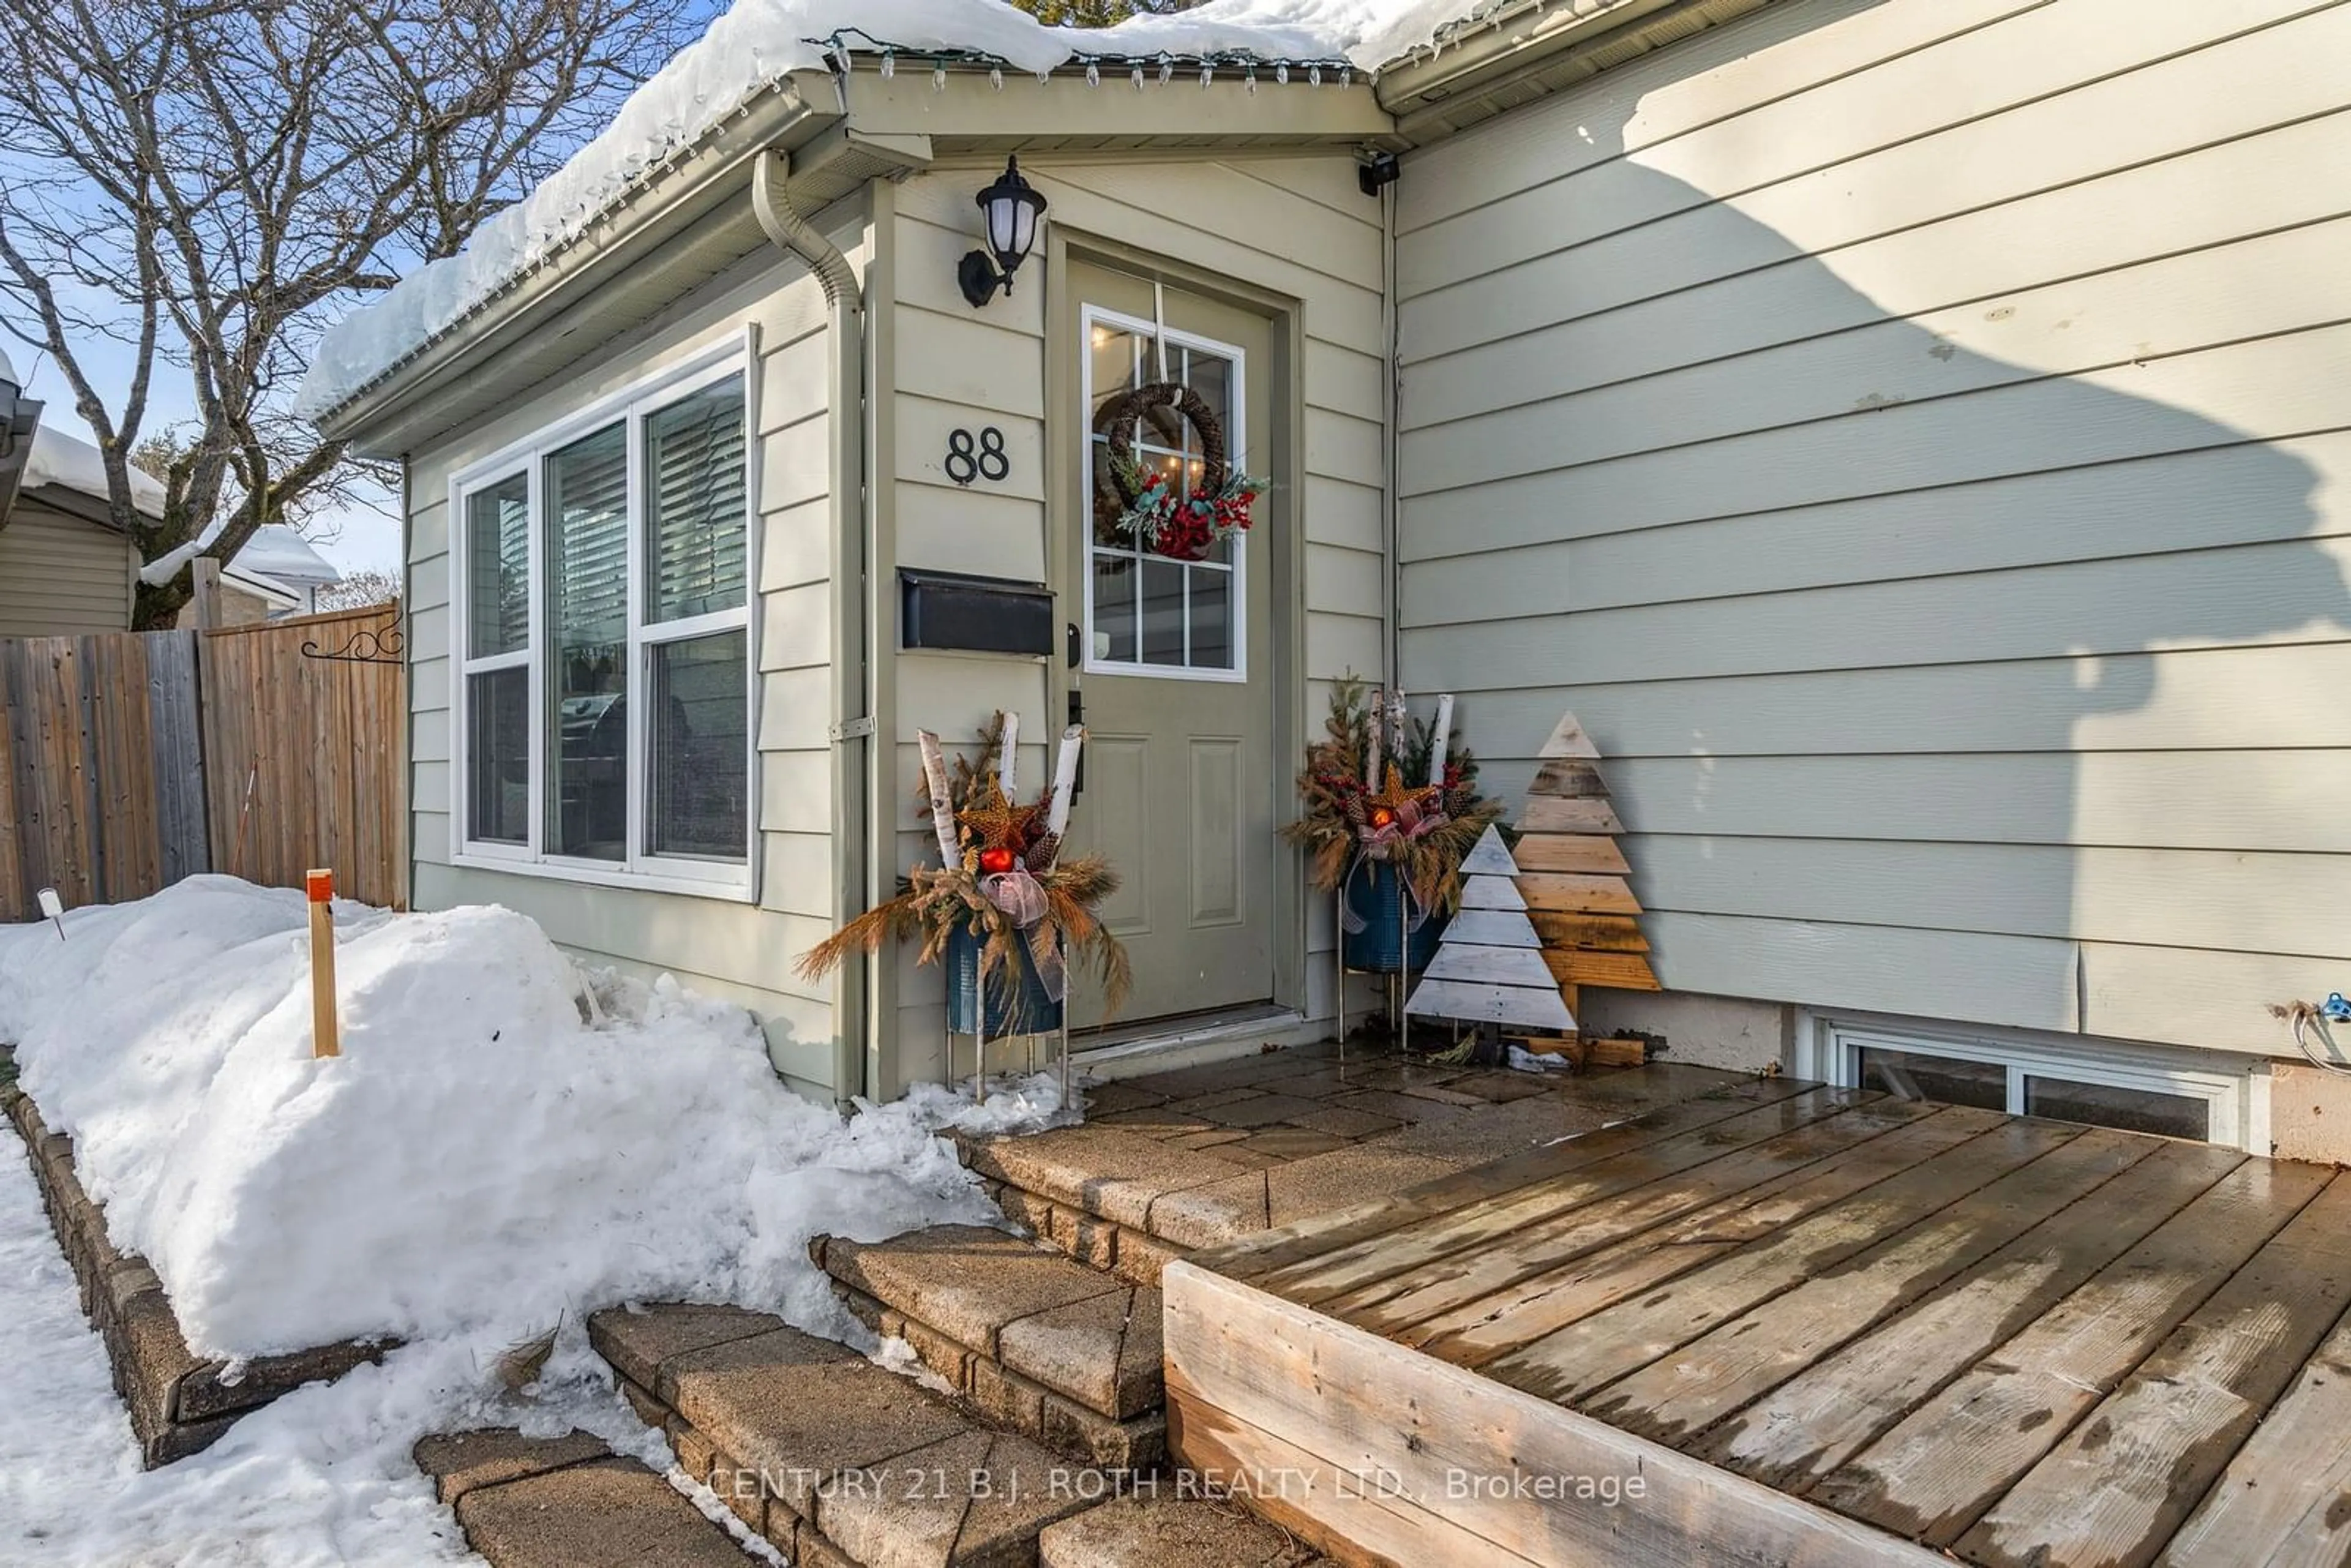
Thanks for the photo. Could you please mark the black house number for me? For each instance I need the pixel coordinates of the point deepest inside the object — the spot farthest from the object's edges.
(986, 460)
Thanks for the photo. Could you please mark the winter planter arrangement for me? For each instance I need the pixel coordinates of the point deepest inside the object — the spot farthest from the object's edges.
(1389, 851)
(1003, 913)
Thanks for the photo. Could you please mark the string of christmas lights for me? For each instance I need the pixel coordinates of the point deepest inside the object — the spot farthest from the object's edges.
(844, 47)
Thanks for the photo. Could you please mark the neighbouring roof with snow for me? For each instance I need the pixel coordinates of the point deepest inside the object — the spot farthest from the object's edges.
(282, 557)
(760, 41)
(73, 464)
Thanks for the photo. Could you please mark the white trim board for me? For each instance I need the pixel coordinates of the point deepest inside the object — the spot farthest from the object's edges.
(734, 356)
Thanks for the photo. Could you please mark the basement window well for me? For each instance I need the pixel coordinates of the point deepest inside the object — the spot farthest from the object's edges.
(2169, 1092)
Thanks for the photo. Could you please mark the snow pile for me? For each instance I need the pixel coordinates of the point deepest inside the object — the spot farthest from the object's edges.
(322, 1476)
(480, 1162)
(281, 555)
(507, 1142)
(57, 458)
(756, 44)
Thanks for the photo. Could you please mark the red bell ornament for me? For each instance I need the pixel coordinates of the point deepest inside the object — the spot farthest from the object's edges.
(996, 863)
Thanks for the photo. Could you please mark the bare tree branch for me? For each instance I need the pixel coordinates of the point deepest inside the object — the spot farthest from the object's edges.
(209, 185)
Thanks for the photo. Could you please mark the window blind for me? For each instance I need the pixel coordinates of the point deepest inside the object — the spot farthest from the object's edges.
(499, 569)
(696, 500)
(587, 500)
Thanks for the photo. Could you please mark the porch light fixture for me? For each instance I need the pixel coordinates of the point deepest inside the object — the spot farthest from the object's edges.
(1012, 207)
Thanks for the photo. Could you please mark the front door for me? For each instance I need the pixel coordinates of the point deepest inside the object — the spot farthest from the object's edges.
(1174, 666)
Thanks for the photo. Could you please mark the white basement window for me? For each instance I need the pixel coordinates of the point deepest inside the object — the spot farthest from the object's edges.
(602, 580)
(2173, 1093)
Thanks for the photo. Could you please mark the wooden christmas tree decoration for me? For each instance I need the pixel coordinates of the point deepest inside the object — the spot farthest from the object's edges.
(1488, 967)
(1571, 873)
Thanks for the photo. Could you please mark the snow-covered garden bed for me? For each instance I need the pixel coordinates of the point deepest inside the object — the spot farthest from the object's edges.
(507, 1141)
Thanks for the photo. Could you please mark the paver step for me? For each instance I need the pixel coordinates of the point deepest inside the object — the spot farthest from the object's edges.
(831, 1458)
(568, 1502)
(1166, 1531)
(1206, 1155)
(1032, 1338)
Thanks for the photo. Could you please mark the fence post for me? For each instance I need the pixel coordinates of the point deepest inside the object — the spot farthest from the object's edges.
(206, 598)
(324, 1039)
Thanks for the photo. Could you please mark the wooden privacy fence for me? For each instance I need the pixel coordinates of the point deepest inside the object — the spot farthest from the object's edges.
(130, 760)
(101, 767)
(302, 753)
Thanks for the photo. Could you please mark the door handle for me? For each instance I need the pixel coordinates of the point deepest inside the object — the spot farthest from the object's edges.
(1070, 643)
(1077, 716)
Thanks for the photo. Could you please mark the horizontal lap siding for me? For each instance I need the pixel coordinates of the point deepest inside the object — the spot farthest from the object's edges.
(1299, 227)
(62, 577)
(741, 952)
(1911, 437)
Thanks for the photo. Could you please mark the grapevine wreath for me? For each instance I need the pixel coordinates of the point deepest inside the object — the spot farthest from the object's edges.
(1155, 511)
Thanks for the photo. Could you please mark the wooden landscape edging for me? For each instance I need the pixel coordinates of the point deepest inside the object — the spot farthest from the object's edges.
(1420, 1461)
(179, 1403)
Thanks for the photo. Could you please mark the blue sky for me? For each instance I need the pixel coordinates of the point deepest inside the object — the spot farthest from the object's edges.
(359, 538)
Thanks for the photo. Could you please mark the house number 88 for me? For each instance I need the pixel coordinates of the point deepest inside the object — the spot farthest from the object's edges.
(988, 460)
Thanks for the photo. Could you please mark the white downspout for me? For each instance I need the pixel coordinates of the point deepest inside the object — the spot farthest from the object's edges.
(853, 728)
(1392, 407)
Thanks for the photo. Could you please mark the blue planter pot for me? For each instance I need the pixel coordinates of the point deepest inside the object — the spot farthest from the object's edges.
(1018, 1002)
(1373, 893)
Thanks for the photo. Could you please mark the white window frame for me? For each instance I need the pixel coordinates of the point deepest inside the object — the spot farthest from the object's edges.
(1236, 452)
(2235, 1089)
(733, 357)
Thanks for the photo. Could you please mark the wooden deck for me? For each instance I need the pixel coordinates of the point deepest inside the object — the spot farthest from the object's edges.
(1817, 1330)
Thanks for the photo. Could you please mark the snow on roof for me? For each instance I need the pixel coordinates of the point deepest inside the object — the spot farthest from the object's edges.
(60, 459)
(758, 43)
(283, 557)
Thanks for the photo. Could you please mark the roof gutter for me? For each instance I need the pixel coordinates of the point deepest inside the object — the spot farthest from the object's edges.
(853, 742)
(1516, 41)
(666, 199)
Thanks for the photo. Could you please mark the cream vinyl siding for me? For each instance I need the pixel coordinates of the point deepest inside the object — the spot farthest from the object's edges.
(1910, 435)
(739, 951)
(1297, 226)
(60, 576)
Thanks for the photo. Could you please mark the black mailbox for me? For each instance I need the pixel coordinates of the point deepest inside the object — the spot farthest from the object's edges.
(974, 614)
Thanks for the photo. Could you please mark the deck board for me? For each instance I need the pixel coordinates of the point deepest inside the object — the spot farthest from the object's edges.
(1480, 1331)
(1467, 1274)
(1346, 1271)
(1840, 1402)
(1745, 1358)
(1582, 1358)
(1933, 1475)
(2274, 1508)
(1270, 1251)
(1823, 1331)
(2124, 1481)
(1280, 1386)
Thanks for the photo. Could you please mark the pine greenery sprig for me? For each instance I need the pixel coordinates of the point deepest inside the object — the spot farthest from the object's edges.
(1333, 786)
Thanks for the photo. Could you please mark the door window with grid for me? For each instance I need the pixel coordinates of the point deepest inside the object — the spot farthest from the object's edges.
(1147, 614)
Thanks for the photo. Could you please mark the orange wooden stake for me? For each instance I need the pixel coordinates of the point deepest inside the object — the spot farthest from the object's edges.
(326, 1041)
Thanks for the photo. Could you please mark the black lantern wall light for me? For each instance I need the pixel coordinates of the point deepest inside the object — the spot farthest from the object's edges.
(1011, 207)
